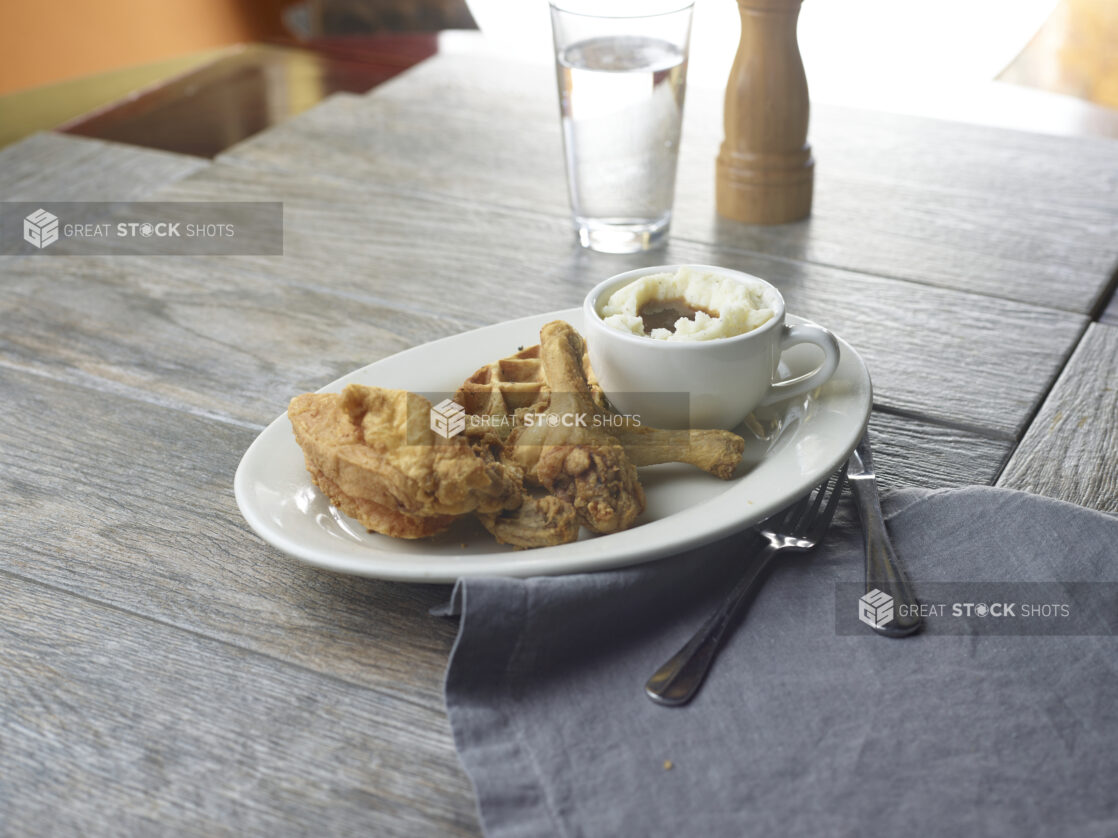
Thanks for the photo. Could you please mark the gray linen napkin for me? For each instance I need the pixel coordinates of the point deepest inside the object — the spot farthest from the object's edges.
(800, 729)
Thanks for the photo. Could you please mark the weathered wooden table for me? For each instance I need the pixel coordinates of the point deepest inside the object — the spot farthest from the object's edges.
(162, 669)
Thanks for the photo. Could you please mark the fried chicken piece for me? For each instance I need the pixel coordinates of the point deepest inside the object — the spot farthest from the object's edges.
(375, 517)
(502, 391)
(715, 451)
(566, 453)
(373, 452)
(538, 522)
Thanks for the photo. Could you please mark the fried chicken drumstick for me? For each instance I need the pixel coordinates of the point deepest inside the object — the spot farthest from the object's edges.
(575, 460)
(504, 390)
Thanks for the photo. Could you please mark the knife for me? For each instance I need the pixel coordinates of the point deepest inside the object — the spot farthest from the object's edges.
(883, 569)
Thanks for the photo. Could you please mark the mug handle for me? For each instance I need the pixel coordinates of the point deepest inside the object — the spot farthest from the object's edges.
(794, 335)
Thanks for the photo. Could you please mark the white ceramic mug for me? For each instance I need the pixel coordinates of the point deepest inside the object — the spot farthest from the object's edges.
(699, 384)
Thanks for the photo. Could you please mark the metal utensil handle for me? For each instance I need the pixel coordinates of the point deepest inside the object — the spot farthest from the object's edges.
(883, 568)
(677, 681)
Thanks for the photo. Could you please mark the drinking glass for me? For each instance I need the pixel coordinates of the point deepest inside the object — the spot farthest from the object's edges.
(622, 69)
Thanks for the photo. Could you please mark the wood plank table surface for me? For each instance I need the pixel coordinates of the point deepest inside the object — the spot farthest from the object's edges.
(162, 670)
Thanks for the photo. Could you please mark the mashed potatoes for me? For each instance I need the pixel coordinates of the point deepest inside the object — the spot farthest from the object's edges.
(688, 305)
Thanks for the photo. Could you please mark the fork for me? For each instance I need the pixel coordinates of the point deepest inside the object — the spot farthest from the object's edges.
(798, 528)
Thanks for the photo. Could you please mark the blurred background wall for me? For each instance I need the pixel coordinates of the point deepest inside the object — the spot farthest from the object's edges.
(44, 42)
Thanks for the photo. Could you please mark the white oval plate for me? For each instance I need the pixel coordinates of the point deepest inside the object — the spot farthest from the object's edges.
(789, 449)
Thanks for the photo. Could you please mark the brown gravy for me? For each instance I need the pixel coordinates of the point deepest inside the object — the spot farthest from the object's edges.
(662, 314)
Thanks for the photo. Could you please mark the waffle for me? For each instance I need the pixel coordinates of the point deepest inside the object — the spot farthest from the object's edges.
(507, 388)
(500, 392)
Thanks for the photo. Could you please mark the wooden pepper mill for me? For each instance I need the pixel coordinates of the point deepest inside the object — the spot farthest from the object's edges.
(765, 171)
